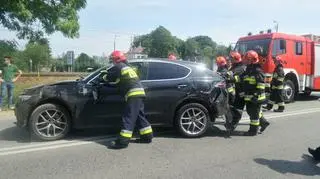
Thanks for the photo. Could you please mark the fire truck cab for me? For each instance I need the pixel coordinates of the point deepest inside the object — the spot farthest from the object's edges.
(301, 56)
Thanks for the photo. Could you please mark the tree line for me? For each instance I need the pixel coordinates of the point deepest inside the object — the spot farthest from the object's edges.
(160, 43)
(36, 56)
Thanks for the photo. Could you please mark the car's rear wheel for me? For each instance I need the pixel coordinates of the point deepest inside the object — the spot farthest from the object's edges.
(49, 122)
(192, 120)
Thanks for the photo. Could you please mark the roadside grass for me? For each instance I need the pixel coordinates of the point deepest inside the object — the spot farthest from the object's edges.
(27, 82)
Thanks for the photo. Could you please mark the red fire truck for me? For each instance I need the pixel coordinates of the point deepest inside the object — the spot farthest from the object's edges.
(301, 55)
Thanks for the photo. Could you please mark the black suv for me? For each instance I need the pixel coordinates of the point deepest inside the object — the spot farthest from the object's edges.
(182, 94)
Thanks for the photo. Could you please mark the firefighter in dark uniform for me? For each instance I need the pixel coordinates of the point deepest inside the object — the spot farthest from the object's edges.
(228, 76)
(254, 88)
(238, 68)
(127, 80)
(277, 93)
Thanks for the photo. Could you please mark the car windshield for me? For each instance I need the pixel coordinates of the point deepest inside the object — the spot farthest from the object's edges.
(93, 74)
(260, 46)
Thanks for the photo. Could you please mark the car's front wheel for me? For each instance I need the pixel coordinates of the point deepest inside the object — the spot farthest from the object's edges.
(49, 122)
(192, 120)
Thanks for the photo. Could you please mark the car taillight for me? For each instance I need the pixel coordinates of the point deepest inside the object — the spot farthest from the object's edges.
(220, 84)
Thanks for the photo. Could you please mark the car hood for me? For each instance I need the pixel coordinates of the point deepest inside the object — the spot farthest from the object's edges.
(38, 87)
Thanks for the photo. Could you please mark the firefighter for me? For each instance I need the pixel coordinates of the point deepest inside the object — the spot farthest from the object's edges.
(172, 57)
(277, 92)
(254, 88)
(126, 79)
(228, 76)
(238, 68)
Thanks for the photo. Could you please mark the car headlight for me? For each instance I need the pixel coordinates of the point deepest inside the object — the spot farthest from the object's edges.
(24, 97)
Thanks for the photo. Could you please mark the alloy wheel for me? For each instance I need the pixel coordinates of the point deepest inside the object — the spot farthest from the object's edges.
(193, 121)
(51, 123)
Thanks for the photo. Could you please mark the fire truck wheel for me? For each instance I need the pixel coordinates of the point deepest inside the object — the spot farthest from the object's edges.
(289, 91)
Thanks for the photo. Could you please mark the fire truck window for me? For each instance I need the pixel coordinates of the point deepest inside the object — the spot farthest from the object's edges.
(279, 47)
(298, 48)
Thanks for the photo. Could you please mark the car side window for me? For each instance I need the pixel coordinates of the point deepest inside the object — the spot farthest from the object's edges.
(142, 69)
(161, 71)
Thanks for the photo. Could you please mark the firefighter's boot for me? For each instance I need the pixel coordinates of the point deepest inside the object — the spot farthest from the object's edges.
(280, 109)
(263, 124)
(144, 139)
(268, 107)
(253, 131)
(119, 144)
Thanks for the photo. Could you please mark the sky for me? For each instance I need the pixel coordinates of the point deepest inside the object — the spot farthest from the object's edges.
(223, 20)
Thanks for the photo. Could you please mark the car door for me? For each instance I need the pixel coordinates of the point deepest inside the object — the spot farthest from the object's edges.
(104, 104)
(166, 84)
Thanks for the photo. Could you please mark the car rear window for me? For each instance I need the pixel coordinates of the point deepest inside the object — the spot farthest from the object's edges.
(161, 71)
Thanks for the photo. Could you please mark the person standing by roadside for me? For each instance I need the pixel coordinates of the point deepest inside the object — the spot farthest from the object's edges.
(7, 79)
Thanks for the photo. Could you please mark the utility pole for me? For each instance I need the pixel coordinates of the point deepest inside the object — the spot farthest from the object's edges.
(114, 41)
(277, 25)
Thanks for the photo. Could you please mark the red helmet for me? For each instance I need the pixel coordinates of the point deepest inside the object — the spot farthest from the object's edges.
(117, 56)
(221, 61)
(236, 57)
(278, 59)
(252, 56)
(172, 57)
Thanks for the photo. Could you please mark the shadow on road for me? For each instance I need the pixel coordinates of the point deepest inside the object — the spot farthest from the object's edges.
(307, 166)
(307, 98)
(15, 134)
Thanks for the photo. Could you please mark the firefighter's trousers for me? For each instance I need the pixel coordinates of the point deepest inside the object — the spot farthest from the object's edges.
(237, 109)
(254, 111)
(134, 116)
(276, 97)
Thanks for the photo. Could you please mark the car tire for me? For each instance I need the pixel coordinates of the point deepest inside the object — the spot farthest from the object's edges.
(51, 119)
(289, 91)
(188, 123)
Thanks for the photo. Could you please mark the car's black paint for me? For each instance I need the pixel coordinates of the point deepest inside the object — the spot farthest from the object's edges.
(94, 104)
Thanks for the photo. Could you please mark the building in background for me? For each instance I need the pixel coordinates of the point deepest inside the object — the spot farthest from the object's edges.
(136, 53)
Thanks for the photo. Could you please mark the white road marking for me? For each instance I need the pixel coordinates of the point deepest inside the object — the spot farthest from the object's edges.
(59, 142)
(53, 147)
(85, 141)
(296, 113)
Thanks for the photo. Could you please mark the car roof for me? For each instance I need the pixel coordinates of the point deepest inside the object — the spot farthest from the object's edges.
(165, 60)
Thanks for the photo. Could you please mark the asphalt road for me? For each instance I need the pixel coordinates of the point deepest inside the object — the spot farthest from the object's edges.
(281, 152)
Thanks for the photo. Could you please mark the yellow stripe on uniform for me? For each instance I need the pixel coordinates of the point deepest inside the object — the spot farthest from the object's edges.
(277, 87)
(146, 130)
(260, 86)
(236, 78)
(231, 89)
(262, 97)
(255, 122)
(251, 80)
(135, 92)
(128, 70)
(280, 79)
(126, 133)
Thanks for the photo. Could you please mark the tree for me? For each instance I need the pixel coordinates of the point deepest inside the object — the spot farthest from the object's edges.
(83, 62)
(192, 49)
(32, 19)
(205, 41)
(7, 48)
(180, 47)
(162, 43)
(38, 53)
